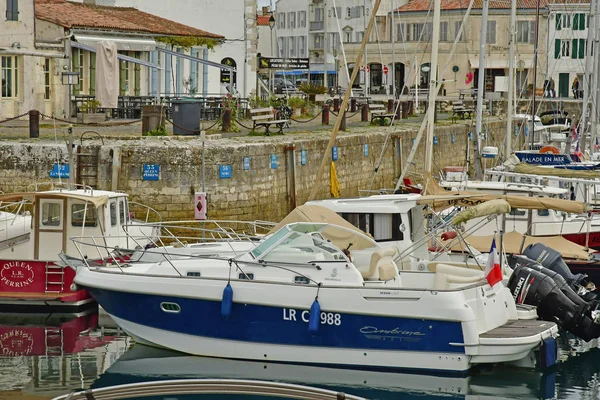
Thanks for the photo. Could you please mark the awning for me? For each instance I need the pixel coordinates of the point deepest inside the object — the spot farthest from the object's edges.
(196, 59)
(500, 62)
(119, 56)
(123, 42)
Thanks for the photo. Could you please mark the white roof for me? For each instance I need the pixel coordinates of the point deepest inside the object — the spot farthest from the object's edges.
(509, 187)
(376, 204)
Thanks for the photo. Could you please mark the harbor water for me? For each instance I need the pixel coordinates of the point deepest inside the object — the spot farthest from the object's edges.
(47, 355)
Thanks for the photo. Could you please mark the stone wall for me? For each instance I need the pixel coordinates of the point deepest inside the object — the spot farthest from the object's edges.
(262, 192)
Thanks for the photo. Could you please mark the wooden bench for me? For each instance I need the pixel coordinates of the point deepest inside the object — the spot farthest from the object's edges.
(459, 109)
(266, 117)
(380, 112)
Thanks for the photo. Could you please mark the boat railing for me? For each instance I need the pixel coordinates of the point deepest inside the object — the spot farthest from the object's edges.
(174, 388)
(151, 214)
(51, 185)
(13, 211)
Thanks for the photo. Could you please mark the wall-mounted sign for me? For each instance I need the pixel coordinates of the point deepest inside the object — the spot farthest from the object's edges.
(303, 157)
(59, 171)
(151, 172)
(246, 163)
(334, 153)
(273, 161)
(283, 63)
(224, 171)
(435, 140)
(366, 150)
(200, 205)
(227, 75)
(452, 138)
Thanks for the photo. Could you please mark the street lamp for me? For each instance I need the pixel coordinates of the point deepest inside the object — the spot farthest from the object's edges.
(69, 79)
(271, 26)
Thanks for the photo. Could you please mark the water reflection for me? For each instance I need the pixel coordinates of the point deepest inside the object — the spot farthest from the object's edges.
(48, 355)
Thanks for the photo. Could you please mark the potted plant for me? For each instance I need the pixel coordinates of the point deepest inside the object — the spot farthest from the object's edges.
(312, 90)
(89, 112)
(296, 103)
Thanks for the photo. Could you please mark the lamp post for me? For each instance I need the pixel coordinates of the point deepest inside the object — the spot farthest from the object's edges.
(69, 79)
(271, 26)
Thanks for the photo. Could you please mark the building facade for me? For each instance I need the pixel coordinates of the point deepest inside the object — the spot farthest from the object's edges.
(568, 25)
(412, 28)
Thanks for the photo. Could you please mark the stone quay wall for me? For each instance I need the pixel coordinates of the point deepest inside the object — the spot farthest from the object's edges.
(279, 175)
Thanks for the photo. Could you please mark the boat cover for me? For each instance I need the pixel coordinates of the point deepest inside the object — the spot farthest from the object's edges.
(523, 168)
(97, 201)
(512, 242)
(339, 237)
(497, 206)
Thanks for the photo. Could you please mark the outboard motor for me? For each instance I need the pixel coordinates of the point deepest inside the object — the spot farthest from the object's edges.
(515, 261)
(552, 259)
(555, 301)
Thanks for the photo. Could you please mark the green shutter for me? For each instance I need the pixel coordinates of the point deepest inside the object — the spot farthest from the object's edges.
(123, 67)
(93, 74)
(574, 48)
(576, 22)
(138, 75)
(582, 19)
(558, 21)
(556, 48)
(581, 48)
(75, 68)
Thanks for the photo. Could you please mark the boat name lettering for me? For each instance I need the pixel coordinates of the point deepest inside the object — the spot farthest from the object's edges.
(16, 274)
(372, 330)
(327, 318)
(16, 342)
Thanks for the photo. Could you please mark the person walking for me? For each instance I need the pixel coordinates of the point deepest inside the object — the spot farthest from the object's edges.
(551, 87)
(575, 88)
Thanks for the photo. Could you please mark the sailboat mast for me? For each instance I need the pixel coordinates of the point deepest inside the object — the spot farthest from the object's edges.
(511, 78)
(594, 87)
(535, 65)
(481, 88)
(435, 41)
(587, 86)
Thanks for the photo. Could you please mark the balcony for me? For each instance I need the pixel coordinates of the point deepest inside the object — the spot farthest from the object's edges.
(316, 26)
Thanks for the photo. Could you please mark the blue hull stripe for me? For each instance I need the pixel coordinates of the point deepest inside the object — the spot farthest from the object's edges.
(276, 325)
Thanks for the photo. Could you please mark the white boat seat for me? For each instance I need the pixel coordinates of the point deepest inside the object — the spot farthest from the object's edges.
(450, 277)
(387, 272)
(379, 258)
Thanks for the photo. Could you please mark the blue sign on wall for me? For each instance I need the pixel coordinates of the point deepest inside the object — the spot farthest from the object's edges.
(59, 171)
(526, 130)
(246, 163)
(303, 157)
(516, 131)
(435, 140)
(273, 161)
(334, 153)
(452, 138)
(151, 172)
(224, 171)
(366, 150)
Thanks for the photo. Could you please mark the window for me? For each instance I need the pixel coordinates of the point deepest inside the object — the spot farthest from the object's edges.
(302, 19)
(113, 213)
(280, 42)
(318, 14)
(525, 31)
(543, 213)
(83, 215)
(417, 30)
(170, 307)
(562, 48)
(457, 25)
(10, 77)
(281, 20)
(360, 36)
(400, 32)
(566, 20)
(246, 276)
(301, 280)
(348, 12)
(491, 32)
(12, 10)
(302, 46)
(444, 32)
(334, 41)
(336, 12)
(292, 46)
(193, 273)
(82, 77)
(291, 20)
(47, 78)
(123, 211)
(579, 21)
(51, 214)
(348, 36)
(517, 212)
(578, 48)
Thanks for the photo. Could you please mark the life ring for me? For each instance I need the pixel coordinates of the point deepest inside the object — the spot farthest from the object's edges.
(549, 149)
(448, 235)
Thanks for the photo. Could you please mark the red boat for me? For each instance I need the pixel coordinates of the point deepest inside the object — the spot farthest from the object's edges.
(31, 277)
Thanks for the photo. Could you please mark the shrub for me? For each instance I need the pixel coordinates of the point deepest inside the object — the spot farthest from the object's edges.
(312, 90)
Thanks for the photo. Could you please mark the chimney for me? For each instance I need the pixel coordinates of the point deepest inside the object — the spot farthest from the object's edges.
(265, 10)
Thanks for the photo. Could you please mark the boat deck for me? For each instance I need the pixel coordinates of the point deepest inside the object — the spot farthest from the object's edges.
(33, 296)
(519, 328)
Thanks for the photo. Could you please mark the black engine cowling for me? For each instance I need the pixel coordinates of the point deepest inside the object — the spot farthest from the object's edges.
(554, 299)
(553, 260)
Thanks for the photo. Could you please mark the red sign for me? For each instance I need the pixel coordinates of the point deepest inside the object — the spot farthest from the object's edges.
(385, 69)
(200, 206)
(16, 274)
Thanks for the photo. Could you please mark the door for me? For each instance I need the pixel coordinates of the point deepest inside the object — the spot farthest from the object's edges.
(563, 85)
(49, 229)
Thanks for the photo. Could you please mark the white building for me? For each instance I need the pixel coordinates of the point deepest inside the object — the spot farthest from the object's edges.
(568, 24)
(267, 38)
(233, 19)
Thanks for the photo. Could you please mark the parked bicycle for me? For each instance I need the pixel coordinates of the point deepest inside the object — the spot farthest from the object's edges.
(283, 111)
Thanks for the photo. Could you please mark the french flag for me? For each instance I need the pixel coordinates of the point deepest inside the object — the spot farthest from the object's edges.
(493, 273)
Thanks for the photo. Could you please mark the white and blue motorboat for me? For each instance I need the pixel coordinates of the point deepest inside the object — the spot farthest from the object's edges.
(297, 297)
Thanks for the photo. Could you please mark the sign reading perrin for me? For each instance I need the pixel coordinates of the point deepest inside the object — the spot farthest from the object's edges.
(283, 63)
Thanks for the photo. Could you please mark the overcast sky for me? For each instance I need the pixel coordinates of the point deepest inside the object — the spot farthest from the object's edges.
(265, 3)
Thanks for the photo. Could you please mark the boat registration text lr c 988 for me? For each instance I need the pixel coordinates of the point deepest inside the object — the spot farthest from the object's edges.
(327, 318)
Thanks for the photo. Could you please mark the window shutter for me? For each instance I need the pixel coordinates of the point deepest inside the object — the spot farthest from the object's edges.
(8, 9)
(582, 19)
(574, 48)
(93, 74)
(581, 48)
(123, 67)
(576, 22)
(556, 48)
(75, 68)
(558, 21)
(531, 31)
(138, 75)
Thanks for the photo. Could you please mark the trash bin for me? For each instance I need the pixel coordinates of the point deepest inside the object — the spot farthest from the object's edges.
(186, 117)
(153, 117)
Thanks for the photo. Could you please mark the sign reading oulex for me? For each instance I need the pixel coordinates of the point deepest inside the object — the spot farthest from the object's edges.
(283, 63)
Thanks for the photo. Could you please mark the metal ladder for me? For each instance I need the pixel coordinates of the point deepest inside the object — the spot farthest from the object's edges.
(54, 341)
(54, 285)
(87, 166)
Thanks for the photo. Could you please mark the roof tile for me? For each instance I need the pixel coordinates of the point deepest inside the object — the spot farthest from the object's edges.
(448, 5)
(78, 15)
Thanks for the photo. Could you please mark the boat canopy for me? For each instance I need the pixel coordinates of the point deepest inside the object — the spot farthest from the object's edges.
(524, 168)
(512, 242)
(97, 201)
(497, 206)
(469, 199)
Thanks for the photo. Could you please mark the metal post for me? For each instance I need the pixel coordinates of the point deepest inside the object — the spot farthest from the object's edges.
(34, 124)
(587, 75)
(203, 139)
(535, 56)
(594, 86)
(435, 41)
(393, 39)
(481, 89)
(70, 150)
(325, 50)
(511, 78)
